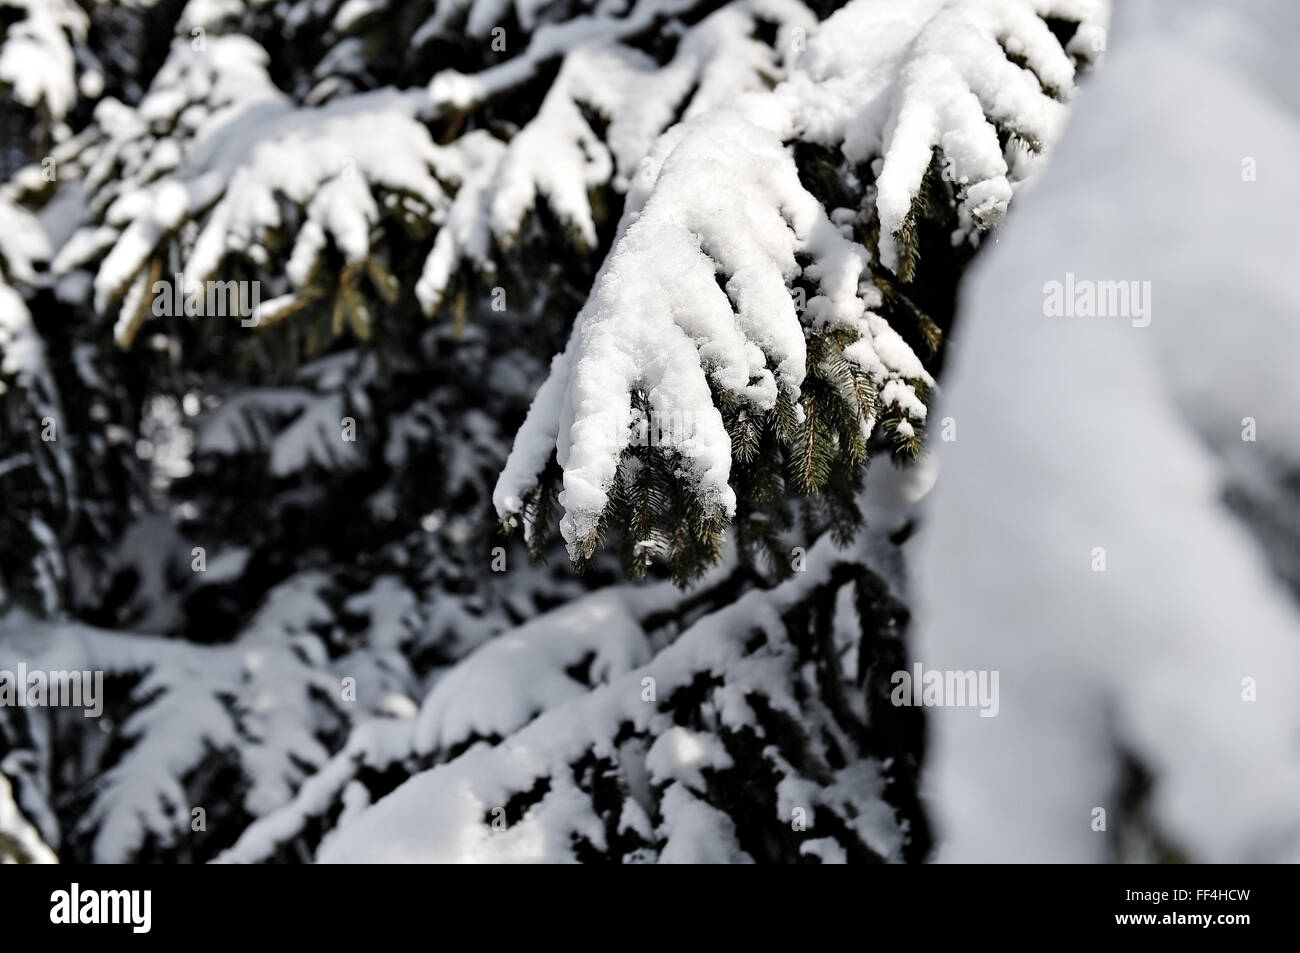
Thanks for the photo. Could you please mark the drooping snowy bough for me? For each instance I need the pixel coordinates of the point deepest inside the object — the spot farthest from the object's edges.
(44, 59)
(631, 726)
(216, 167)
(371, 179)
(756, 321)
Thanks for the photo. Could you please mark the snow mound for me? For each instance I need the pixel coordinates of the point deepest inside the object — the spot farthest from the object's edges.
(1078, 539)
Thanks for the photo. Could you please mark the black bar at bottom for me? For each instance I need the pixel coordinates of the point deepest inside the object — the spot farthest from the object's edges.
(335, 903)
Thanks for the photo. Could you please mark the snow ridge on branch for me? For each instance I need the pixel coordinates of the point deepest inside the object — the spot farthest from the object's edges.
(695, 308)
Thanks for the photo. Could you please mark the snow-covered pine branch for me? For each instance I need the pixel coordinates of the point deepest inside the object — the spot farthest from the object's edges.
(493, 692)
(603, 730)
(249, 718)
(217, 173)
(756, 313)
(24, 248)
(346, 201)
(659, 763)
(32, 467)
(42, 57)
(20, 842)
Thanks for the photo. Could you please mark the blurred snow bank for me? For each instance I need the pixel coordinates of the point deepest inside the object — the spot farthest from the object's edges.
(1088, 441)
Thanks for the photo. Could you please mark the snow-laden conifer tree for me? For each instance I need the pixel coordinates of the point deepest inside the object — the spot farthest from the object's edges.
(761, 314)
(734, 230)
